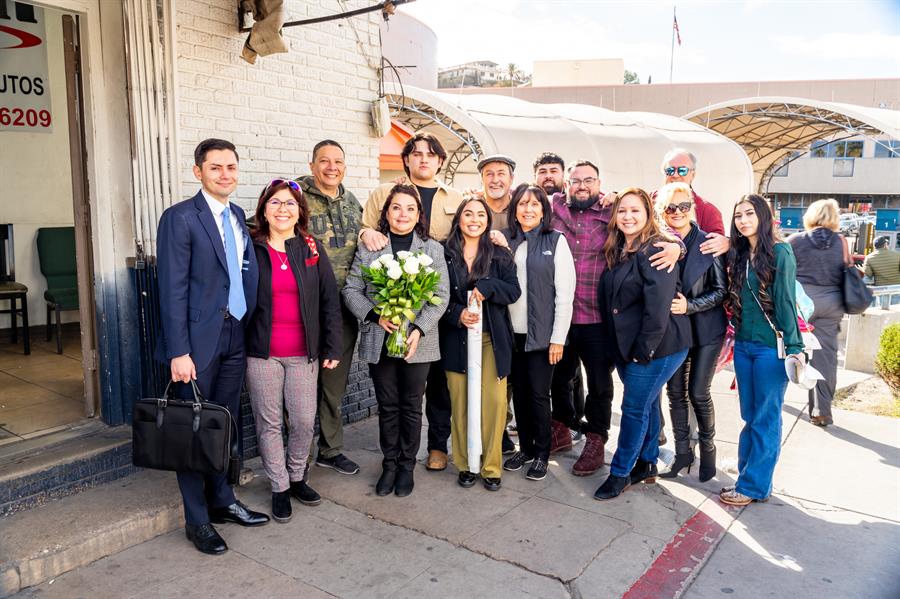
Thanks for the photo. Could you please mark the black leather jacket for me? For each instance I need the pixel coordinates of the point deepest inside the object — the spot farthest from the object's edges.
(704, 284)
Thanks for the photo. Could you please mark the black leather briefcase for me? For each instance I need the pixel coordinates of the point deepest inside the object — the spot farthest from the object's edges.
(184, 436)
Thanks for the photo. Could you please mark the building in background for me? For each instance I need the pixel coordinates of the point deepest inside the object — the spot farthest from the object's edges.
(578, 73)
(482, 73)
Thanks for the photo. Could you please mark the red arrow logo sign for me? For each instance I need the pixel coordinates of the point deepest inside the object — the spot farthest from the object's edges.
(26, 40)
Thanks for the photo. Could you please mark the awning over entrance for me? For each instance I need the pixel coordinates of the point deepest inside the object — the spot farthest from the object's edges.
(628, 147)
(769, 128)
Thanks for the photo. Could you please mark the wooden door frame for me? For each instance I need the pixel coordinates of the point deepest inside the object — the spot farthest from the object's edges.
(82, 210)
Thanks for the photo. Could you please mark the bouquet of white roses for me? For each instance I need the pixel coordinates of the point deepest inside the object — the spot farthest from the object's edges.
(403, 284)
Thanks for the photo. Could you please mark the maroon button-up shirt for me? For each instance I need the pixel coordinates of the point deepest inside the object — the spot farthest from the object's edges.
(586, 232)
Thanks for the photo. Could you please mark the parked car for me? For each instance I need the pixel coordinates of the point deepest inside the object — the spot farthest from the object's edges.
(849, 224)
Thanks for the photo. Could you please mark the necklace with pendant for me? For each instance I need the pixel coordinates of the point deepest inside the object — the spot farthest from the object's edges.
(284, 262)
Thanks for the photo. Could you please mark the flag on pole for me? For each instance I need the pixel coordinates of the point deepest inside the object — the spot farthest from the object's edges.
(675, 26)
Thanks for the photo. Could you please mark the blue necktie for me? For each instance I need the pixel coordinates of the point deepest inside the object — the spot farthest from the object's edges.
(237, 304)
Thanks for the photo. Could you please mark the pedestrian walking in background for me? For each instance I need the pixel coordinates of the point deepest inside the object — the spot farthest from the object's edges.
(475, 264)
(297, 323)
(649, 341)
(762, 302)
(540, 321)
(399, 381)
(703, 288)
(821, 252)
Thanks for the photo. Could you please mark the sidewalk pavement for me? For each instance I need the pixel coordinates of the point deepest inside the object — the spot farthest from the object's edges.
(831, 529)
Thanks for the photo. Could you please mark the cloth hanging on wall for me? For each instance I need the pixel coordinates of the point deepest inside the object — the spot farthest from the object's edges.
(265, 36)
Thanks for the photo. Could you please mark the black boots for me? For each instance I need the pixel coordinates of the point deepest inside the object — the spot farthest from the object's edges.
(707, 462)
(612, 487)
(682, 460)
(385, 484)
(643, 472)
(281, 506)
(403, 484)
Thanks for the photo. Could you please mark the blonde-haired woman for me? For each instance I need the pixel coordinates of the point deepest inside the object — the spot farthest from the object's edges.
(821, 252)
(704, 285)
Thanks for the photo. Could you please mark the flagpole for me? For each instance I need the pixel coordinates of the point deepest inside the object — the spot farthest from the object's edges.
(672, 51)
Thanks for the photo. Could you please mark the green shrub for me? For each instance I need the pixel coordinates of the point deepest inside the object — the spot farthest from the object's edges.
(887, 361)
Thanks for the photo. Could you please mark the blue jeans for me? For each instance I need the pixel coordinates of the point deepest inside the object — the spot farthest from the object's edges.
(639, 430)
(761, 383)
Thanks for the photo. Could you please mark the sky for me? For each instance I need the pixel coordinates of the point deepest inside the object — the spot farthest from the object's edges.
(721, 41)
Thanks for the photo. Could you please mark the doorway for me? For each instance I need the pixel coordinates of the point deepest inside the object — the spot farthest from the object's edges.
(54, 386)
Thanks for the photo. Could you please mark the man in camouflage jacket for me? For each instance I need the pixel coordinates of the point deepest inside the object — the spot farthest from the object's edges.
(334, 219)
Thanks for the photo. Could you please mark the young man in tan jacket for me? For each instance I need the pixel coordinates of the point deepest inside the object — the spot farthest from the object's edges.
(423, 156)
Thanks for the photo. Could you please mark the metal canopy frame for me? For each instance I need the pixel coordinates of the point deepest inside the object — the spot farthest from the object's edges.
(770, 130)
(418, 115)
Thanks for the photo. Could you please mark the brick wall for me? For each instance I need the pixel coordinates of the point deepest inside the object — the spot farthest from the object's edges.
(276, 110)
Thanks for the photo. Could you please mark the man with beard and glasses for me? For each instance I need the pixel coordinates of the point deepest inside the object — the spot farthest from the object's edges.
(423, 156)
(582, 216)
(549, 175)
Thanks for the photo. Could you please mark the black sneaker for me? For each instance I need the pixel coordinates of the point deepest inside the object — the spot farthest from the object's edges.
(281, 506)
(509, 447)
(339, 463)
(515, 463)
(577, 436)
(466, 479)
(491, 484)
(305, 494)
(538, 470)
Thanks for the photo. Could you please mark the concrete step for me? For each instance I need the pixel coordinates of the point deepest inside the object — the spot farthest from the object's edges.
(38, 470)
(39, 544)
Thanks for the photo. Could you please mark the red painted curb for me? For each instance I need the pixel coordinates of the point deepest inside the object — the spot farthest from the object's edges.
(680, 560)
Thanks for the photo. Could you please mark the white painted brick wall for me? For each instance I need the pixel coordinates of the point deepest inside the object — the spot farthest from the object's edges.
(276, 110)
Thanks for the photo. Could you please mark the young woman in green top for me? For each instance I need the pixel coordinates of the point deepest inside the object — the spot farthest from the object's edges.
(762, 303)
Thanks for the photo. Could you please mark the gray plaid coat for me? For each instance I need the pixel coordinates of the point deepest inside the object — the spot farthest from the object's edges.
(358, 297)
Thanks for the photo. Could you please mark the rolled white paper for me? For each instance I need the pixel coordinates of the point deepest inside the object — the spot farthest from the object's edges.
(473, 391)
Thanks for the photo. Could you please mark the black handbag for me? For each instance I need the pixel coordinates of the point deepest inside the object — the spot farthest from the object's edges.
(185, 436)
(856, 294)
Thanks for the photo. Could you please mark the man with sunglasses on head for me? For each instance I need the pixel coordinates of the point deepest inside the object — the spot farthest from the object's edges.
(680, 166)
(334, 220)
(207, 288)
(550, 175)
(423, 156)
(583, 215)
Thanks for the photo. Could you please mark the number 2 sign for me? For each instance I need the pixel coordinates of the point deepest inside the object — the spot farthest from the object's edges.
(24, 82)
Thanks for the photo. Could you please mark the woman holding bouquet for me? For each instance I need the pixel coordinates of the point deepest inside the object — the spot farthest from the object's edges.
(476, 265)
(410, 269)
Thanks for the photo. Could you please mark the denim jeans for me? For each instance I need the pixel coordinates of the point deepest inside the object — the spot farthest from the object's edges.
(639, 430)
(761, 383)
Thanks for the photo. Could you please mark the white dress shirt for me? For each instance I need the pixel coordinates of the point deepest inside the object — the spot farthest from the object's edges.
(218, 208)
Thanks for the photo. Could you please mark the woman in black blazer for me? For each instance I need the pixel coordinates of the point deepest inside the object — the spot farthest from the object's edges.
(488, 272)
(704, 285)
(650, 342)
(297, 322)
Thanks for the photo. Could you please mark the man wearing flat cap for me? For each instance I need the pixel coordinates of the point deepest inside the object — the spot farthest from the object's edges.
(496, 180)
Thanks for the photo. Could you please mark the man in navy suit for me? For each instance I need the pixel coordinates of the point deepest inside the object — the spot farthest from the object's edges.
(207, 284)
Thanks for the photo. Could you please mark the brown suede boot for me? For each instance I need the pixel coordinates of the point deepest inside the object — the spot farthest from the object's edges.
(592, 456)
(560, 437)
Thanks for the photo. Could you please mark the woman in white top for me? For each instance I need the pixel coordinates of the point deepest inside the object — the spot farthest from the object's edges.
(540, 321)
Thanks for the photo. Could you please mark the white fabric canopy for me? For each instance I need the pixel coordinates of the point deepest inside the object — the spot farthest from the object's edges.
(628, 147)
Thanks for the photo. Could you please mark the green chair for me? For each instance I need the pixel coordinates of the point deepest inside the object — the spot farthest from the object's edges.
(12, 291)
(56, 253)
